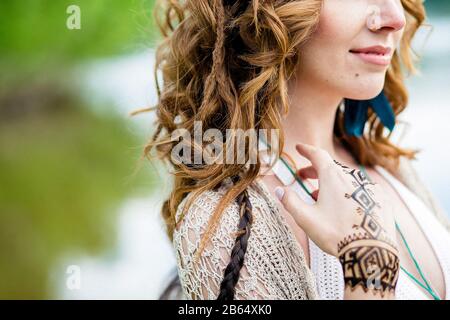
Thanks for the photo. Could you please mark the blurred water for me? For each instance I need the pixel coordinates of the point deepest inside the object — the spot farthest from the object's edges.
(140, 265)
(429, 112)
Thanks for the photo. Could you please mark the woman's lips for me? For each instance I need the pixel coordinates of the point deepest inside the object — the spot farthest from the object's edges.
(378, 55)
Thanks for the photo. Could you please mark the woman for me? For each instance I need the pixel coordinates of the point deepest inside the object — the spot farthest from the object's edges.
(329, 75)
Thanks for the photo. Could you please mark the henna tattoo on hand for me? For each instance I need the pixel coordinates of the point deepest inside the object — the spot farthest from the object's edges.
(369, 254)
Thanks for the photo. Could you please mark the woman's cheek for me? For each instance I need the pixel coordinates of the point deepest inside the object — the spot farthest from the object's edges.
(338, 19)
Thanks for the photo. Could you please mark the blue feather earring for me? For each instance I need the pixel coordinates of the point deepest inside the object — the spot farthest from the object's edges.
(355, 114)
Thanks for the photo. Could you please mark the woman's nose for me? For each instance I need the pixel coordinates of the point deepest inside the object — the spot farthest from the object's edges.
(391, 15)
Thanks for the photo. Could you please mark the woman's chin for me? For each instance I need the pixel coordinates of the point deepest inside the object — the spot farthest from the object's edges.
(365, 92)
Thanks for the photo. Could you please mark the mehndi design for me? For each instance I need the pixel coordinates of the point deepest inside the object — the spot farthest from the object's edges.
(369, 257)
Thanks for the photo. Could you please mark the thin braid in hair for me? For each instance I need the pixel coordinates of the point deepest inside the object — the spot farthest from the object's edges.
(217, 56)
(232, 271)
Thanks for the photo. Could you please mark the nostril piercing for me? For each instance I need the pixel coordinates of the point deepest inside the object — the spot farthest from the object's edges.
(373, 18)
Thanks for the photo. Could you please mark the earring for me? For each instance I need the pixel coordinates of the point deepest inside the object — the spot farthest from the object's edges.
(355, 114)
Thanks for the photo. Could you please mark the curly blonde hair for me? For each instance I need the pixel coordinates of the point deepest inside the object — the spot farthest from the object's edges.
(226, 63)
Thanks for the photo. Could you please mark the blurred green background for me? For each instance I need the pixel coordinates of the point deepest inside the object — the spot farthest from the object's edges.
(68, 150)
(64, 169)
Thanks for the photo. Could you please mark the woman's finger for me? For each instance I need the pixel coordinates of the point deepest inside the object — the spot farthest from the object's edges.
(300, 211)
(320, 159)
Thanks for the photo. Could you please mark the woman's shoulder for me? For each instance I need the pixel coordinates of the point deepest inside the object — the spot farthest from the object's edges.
(203, 205)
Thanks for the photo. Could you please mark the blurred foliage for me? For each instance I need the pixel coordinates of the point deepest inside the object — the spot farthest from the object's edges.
(64, 169)
(33, 33)
(63, 177)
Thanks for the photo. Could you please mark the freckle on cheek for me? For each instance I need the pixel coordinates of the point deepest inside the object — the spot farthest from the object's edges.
(356, 75)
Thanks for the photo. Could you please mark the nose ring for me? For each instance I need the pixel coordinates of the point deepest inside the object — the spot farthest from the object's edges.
(373, 18)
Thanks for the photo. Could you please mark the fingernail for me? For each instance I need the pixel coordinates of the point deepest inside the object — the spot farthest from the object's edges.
(279, 192)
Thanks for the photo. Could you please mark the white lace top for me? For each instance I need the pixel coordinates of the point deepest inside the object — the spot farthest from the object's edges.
(328, 271)
(274, 265)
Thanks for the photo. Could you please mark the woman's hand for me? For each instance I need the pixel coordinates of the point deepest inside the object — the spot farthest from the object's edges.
(351, 220)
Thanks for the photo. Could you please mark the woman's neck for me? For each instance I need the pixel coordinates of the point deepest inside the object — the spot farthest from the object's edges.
(311, 118)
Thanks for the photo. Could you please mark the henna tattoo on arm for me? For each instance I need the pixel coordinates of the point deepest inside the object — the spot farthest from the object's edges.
(369, 257)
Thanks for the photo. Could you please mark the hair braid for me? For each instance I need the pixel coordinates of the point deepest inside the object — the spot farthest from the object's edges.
(232, 271)
(218, 56)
